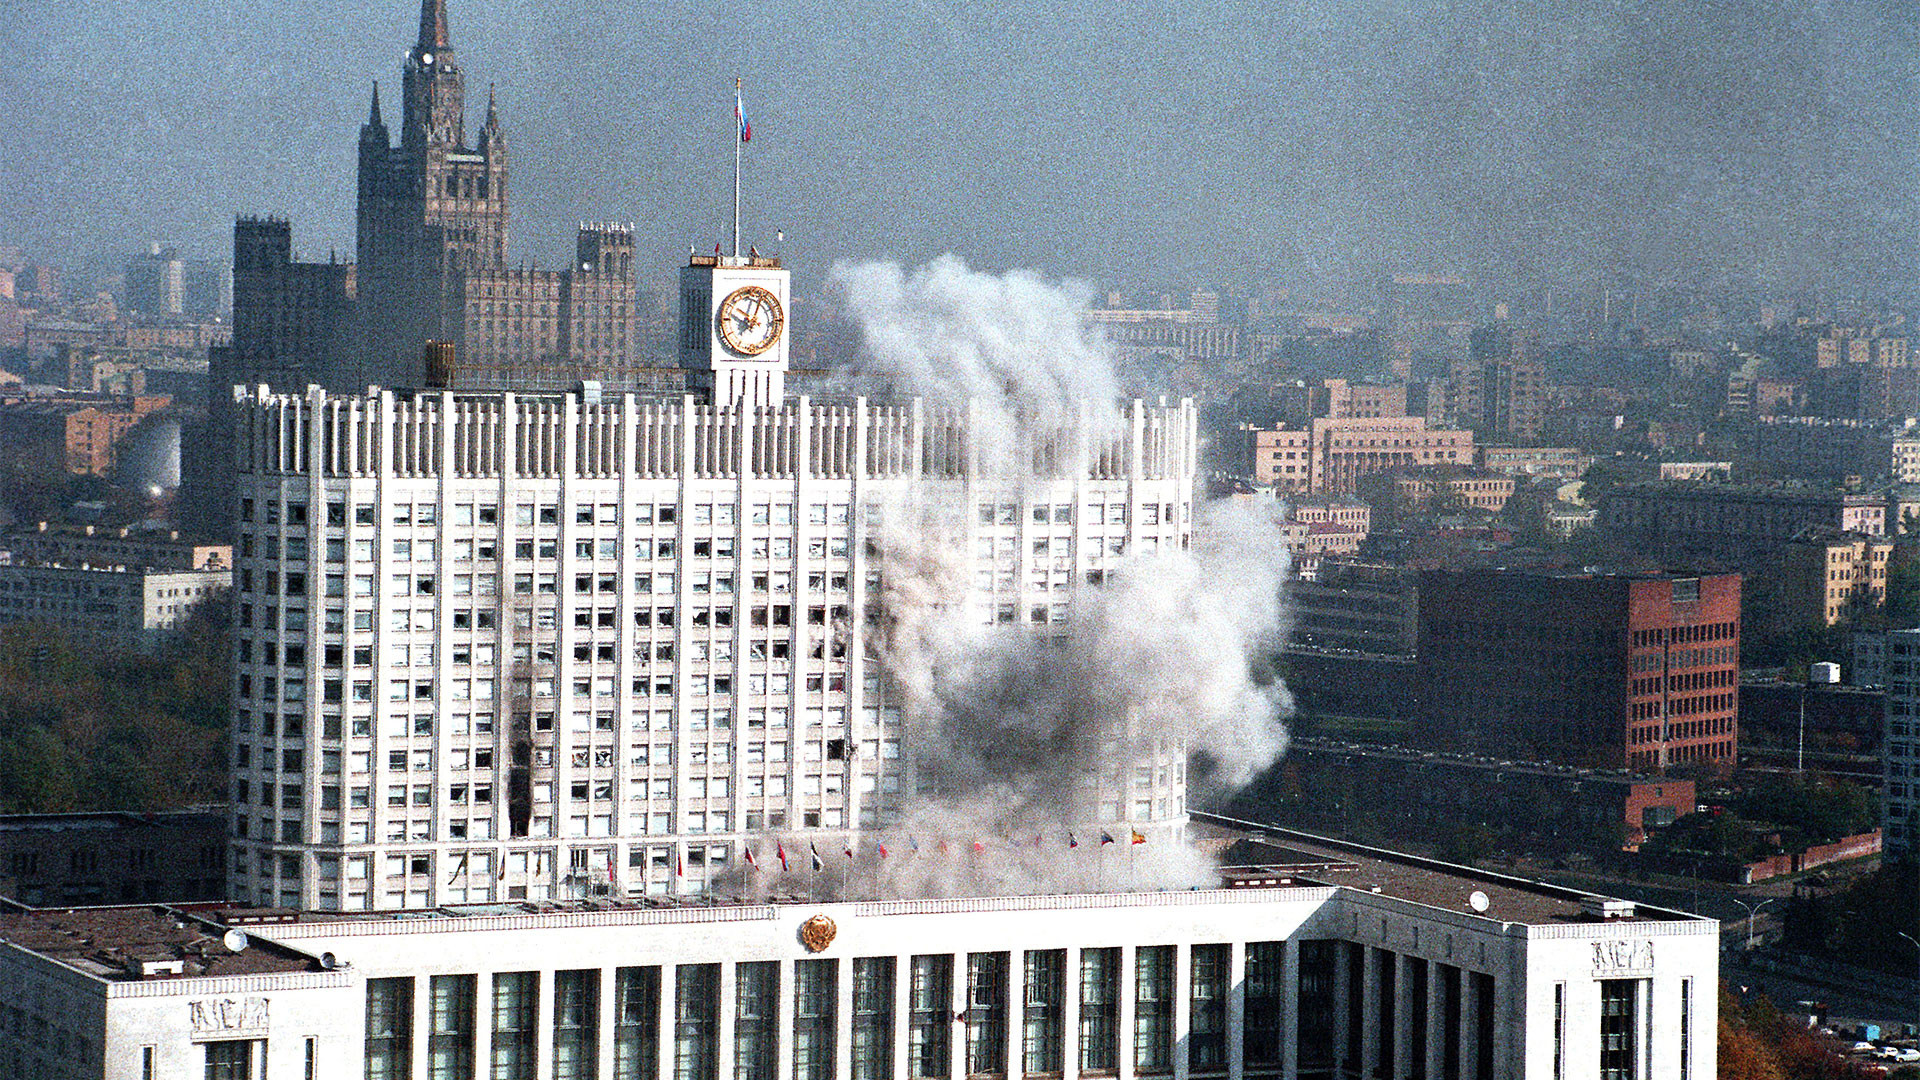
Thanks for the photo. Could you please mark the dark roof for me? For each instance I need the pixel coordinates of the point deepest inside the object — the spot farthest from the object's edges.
(110, 942)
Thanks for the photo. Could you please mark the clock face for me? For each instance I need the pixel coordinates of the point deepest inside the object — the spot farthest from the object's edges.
(751, 320)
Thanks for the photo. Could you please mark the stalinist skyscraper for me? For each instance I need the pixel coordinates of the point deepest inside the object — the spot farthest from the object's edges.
(432, 265)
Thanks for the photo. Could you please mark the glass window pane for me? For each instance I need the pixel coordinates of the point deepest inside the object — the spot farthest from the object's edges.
(756, 1015)
(389, 1029)
(515, 998)
(873, 1018)
(576, 1023)
(815, 983)
(636, 1019)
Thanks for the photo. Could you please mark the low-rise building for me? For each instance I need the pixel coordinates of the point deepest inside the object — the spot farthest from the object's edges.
(1355, 607)
(1320, 529)
(1733, 520)
(1450, 488)
(88, 545)
(77, 433)
(1324, 959)
(1330, 456)
(1420, 793)
(127, 605)
(1828, 578)
(1553, 462)
(113, 857)
(1696, 470)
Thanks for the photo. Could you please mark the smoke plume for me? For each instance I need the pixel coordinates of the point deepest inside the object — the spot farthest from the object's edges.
(1021, 733)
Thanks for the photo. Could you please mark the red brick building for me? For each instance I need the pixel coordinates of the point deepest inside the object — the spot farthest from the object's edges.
(1609, 670)
(78, 432)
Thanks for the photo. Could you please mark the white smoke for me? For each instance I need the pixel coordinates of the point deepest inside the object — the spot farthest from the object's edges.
(1012, 349)
(1023, 736)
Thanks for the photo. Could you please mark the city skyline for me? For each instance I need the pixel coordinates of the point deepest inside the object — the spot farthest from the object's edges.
(1316, 139)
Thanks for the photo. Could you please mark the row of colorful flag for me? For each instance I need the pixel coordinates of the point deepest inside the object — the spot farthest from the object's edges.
(943, 847)
(940, 846)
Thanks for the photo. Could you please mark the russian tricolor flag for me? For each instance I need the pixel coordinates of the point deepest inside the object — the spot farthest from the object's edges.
(740, 120)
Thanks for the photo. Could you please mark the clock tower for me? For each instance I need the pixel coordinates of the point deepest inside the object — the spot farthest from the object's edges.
(733, 328)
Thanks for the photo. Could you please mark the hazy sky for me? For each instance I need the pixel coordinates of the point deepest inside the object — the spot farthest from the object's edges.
(1120, 142)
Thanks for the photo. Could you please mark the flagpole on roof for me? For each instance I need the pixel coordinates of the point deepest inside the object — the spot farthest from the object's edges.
(739, 111)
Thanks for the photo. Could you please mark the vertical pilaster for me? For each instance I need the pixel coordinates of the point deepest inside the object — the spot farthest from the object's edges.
(842, 1018)
(604, 1018)
(1290, 1009)
(902, 1013)
(669, 1011)
(543, 1026)
(1236, 1010)
(1070, 1014)
(1183, 952)
(726, 1016)
(957, 1010)
(483, 1025)
(1370, 1010)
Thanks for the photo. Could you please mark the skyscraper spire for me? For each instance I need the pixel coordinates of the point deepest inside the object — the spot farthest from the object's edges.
(373, 116)
(433, 24)
(490, 130)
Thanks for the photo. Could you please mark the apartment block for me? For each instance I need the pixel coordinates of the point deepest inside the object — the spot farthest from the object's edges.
(1733, 520)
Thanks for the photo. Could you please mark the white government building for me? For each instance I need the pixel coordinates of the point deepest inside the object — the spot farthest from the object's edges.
(497, 646)
(1337, 961)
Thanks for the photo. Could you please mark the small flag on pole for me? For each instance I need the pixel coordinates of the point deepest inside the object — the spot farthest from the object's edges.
(780, 851)
(817, 864)
(1072, 840)
(978, 846)
(740, 115)
(881, 848)
(849, 849)
(1105, 838)
(751, 861)
(1137, 837)
(912, 842)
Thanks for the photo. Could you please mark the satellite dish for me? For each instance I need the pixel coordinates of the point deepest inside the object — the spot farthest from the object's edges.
(328, 961)
(234, 940)
(1478, 901)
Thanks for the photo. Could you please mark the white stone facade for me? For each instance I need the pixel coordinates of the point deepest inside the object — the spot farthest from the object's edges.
(494, 646)
(1289, 982)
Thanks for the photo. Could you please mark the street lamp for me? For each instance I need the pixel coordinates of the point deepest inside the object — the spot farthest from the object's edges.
(1752, 910)
(1916, 953)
